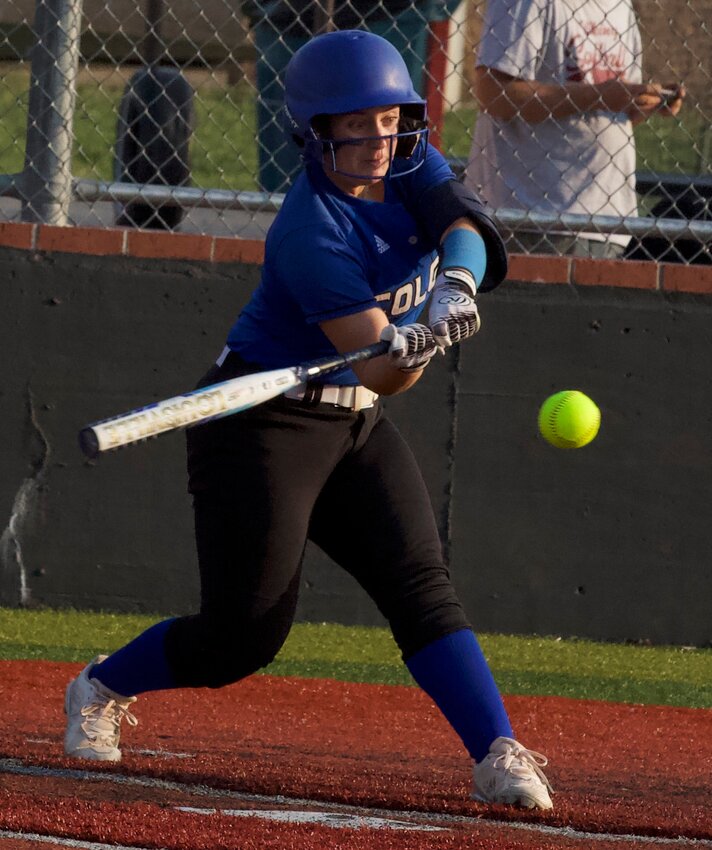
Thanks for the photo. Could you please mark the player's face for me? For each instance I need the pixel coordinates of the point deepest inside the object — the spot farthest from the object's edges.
(368, 159)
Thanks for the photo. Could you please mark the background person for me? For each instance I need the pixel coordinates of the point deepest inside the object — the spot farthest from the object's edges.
(559, 86)
(373, 229)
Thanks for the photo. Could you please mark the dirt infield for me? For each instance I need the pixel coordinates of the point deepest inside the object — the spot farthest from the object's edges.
(302, 764)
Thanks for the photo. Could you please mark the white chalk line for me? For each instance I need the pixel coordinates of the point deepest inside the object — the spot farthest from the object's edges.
(65, 842)
(162, 754)
(14, 766)
(336, 820)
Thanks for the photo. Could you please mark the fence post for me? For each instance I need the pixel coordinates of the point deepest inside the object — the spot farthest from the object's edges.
(47, 175)
(435, 75)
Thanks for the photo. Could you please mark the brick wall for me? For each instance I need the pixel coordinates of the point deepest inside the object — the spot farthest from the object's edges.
(665, 277)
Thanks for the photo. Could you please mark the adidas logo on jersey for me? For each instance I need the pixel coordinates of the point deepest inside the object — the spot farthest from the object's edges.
(381, 246)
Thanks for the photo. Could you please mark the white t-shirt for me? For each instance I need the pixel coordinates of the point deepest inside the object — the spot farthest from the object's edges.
(581, 164)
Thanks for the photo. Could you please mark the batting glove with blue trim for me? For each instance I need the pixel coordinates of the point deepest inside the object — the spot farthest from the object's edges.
(453, 314)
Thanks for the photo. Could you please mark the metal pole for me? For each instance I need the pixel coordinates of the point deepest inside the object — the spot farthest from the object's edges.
(668, 228)
(323, 17)
(47, 176)
(90, 191)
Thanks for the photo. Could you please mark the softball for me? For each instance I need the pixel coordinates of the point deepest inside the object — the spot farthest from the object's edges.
(569, 419)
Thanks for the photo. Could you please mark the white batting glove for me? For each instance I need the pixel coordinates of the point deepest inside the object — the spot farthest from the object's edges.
(412, 346)
(453, 314)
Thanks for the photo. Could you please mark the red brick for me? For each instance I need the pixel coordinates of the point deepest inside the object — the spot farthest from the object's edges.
(682, 278)
(80, 240)
(238, 250)
(539, 268)
(17, 235)
(177, 246)
(633, 274)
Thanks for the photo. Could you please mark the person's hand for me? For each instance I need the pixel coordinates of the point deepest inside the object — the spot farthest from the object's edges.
(673, 102)
(619, 95)
(667, 102)
(640, 101)
(453, 314)
(411, 346)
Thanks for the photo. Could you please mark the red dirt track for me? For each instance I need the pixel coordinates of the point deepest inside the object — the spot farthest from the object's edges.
(344, 751)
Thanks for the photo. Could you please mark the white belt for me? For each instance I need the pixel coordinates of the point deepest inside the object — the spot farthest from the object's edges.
(352, 398)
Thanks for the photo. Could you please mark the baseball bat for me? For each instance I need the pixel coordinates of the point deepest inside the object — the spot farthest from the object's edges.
(212, 402)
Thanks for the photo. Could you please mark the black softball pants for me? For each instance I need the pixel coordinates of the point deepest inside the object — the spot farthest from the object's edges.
(266, 480)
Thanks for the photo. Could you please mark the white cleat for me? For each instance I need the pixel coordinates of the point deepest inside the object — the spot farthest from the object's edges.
(511, 774)
(94, 715)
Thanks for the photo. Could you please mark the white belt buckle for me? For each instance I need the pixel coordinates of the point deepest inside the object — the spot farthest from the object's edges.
(350, 398)
(363, 398)
(346, 397)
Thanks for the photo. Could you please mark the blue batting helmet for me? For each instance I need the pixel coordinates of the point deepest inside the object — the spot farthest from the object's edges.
(346, 71)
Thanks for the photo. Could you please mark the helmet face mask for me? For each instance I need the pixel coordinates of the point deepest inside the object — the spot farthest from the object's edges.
(408, 145)
(345, 72)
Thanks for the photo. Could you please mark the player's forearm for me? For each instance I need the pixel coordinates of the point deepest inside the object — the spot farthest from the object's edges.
(383, 378)
(506, 97)
(460, 224)
(535, 102)
(379, 375)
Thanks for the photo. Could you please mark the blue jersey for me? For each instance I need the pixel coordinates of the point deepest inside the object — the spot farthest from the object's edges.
(328, 255)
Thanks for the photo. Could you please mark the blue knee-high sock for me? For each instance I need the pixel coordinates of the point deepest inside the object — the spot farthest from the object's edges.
(139, 666)
(454, 673)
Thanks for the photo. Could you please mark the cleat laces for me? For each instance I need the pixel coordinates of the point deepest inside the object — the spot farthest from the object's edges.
(521, 762)
(103, 721)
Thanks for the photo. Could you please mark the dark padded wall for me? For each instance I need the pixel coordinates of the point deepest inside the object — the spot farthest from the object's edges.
(611, 541)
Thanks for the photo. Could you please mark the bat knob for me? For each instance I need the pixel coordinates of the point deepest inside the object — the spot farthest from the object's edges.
(88, 442)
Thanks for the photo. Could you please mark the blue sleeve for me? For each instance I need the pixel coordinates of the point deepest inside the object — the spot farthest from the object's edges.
(323, 274)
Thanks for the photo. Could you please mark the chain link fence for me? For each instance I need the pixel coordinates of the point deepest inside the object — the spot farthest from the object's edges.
(167, 115)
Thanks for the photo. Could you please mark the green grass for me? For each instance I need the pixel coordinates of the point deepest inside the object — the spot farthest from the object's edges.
(223, 149)
(522, 665)
(13, 108)
(457, 132)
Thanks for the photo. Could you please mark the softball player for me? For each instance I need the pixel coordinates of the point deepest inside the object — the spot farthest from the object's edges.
(374, 228)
